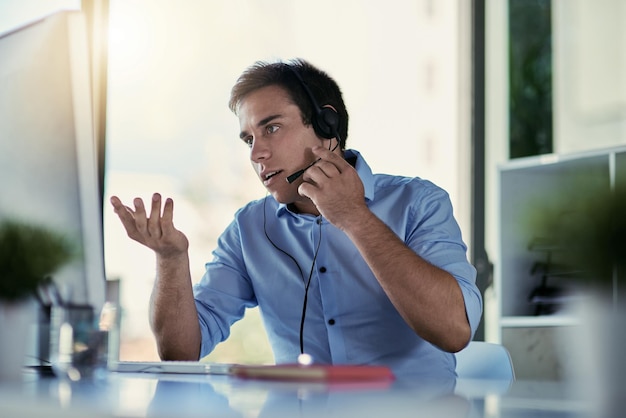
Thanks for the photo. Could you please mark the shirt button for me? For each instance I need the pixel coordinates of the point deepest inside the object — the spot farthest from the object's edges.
(322, 269)
(331, 322)
(319, 221)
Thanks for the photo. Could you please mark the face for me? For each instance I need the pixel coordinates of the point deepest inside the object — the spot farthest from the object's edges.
(280, 144)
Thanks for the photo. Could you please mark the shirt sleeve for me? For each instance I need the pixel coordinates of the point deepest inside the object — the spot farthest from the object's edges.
(436, 236)
(224, 292)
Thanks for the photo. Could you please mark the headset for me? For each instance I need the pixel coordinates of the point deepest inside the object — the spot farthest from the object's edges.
(325, 123)
(325, 120)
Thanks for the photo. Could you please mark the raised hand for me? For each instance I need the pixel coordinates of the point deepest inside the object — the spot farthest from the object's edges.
(155, 231)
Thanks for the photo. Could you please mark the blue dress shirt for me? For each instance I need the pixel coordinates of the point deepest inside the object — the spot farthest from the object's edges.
(265, 256)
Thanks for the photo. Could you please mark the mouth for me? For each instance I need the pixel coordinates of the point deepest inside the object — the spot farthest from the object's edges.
(267, 176)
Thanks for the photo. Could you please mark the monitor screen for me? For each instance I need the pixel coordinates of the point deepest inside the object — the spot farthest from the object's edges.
(48, 164)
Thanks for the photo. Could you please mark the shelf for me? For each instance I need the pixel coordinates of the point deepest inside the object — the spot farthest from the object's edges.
(538, 321)
(527, 189)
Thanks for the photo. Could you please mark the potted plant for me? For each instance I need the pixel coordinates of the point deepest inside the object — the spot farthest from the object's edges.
(29, 254)
(585, 226)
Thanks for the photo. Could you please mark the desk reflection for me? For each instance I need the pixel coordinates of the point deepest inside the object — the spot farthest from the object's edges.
(215, 396)
(255, 398)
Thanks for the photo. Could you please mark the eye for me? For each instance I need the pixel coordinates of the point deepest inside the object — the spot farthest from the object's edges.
(248, 141)
(270, 129)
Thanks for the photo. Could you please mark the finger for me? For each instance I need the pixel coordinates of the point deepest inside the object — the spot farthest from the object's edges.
(325, 168)
(141, 220)
(330, 157)
(115, 201)
(154, 222)
(321, 152)
(306, 190)
(118, 206)
(126, 216)
(167, 221)
(327, 154)
(124, 213)
(320, 173)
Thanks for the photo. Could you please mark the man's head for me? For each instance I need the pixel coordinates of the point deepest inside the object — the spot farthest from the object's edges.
(291, 76)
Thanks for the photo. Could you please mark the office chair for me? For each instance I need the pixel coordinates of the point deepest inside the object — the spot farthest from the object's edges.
(483, 360)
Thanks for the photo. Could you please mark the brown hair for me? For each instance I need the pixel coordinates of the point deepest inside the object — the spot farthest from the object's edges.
(323, 88)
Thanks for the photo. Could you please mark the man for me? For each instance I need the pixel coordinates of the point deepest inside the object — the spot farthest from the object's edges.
(346, 266)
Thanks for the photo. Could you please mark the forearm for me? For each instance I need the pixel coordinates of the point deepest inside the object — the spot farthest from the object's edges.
(173, 315)
(427, 297)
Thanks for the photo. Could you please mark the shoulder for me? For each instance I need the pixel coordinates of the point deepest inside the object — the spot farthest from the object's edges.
(415, 188)
(246, 221)
(256, 208)
(381, 186)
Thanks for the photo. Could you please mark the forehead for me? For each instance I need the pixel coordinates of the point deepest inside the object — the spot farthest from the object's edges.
(265, 99)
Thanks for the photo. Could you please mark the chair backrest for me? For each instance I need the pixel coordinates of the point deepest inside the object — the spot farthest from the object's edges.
(483, 360)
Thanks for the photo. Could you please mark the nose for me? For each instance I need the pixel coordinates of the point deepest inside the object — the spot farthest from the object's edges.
(259, 150)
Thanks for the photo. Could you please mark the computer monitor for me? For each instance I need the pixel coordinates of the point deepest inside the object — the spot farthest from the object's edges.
(48, 161)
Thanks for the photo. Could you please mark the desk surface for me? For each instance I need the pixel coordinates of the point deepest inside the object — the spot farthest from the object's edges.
(161, 395)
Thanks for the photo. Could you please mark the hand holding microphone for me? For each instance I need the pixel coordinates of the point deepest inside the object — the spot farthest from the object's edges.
(298, 173)
(334, 186)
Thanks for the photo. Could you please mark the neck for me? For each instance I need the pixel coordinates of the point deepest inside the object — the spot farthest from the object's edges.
(307, 207)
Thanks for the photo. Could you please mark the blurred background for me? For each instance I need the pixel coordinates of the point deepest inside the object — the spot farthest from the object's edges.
(168, 129)
(453, 91)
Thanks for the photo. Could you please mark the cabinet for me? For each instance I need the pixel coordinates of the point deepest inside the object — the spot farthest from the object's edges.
(526, 187)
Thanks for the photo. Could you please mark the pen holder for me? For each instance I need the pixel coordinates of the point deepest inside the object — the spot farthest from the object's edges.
(78, 346)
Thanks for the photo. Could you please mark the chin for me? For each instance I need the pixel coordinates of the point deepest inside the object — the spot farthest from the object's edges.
(280, 197)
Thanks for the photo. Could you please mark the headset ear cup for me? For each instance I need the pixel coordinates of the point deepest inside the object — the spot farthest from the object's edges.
(326, 123)
(325, 119)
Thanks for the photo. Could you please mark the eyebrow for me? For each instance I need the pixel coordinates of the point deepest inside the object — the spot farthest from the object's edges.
(262, 122)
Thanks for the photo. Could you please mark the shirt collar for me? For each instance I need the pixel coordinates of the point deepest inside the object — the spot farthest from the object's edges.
(362, 168)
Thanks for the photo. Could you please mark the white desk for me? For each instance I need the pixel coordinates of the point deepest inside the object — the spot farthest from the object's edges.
(154, 395)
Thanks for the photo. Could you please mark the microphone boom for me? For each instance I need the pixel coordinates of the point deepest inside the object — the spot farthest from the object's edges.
(298, 173)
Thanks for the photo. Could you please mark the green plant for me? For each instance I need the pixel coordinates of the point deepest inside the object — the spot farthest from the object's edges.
(29, 254)
(586, 227)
